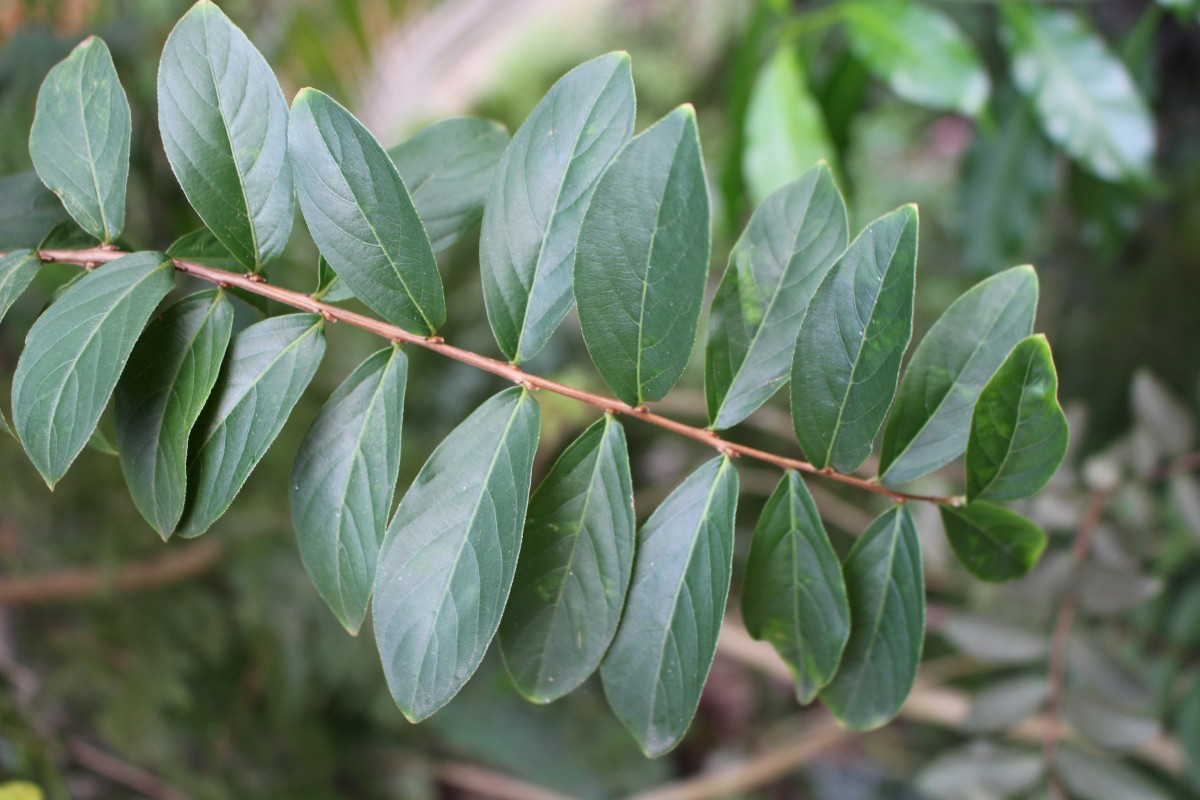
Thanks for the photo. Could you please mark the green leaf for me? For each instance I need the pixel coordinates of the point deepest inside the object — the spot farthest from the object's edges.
(1086, 100)
(778, 262)
(28, 211)
(99, 442)
(658, 663)
(448, 560)
(921, 53)
(930, 421)
(330, 288)
(160, 396)
(75, 352)
(793, 595)
(887, 608)
(269, 365)
(980, 769)
(223, 121)
(848, 353)
(785, 131)
(361, 216)
(1018, 431)
(80, 138)
(642, 260)
(67, 235)
(531, 221)
(993, 543)
(17, 271)
(201, 247)
(1092, 778)
(574, 569)
(448, 169)
(343, 480)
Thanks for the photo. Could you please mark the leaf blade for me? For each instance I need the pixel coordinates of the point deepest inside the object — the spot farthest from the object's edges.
(993, 543)
(17, 271)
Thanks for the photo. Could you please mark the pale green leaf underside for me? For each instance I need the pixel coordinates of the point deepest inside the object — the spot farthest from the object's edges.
(993, 543)
(17, 271)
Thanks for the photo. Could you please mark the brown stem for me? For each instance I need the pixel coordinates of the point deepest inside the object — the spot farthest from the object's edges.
(122, 773)
(509, 372)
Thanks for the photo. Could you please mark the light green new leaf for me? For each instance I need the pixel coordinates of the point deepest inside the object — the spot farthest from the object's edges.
(75, 352)
(793, 595)
(361, 215)
(270, 364)
(658, 663)
(448, 560)
(574, 569)
(993, 543)
(17, 271)
(778, 262)
(919, 52)
(1018, 431)
(1086, 100)
(887, 608)
(28, 211)
(537, 200)
(343, 480)
(448, 169)
(223, 121)
(79, 142)
(642, 260)
(785, 131)
(851, 341)
(930, 421)
(159, 398)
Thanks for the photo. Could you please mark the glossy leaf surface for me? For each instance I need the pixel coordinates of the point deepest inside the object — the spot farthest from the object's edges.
(993, 543)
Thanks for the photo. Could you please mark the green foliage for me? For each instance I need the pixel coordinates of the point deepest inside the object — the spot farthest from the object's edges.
(995, 544)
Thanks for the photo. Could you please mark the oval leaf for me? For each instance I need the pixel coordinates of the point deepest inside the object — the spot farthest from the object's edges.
(575, 564)
(659, 661)
(642, 260)
(361, 216)
(80, 138)
(980, 770)
(787, 248)
(448, 560)
(343, 480)
(929, 424)
(848, 353)
(448, 169)
(793, 595)
(993, 543)
(270, 364)
(75, 352)
(159, 398)
(223, 121)
(538, 198)
(887, 605)
(1018, 431)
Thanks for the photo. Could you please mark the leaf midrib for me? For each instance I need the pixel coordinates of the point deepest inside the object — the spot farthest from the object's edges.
(87, 143)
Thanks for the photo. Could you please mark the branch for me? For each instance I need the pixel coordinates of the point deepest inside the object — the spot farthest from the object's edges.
(122, 773)
(256, 285)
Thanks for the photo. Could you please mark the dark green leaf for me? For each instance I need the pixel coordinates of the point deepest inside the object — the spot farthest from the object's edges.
(993, 543)
(67, 235)
(1018, 432)
(642, 260)
(538, 198)
(887, 607)
(160, 396)
(448, 169)
(28, 211)
(343, 480)
(330, 288)
(659, 661)
(851, 341)
(17, 271)
(80, 138)
(575, 564)
(201, 247)
(223, 121)
(793, 595)
(75, 352)
(1087, 102)
(929, 424)
(361, 216)
(448, 560)
(269, 365)
(787, 248)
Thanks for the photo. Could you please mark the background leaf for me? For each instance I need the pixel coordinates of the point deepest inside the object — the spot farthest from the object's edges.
(545, 180)
(787, 248)
(642, 260)
(28, 211)
(80, 138)
(980, 770)
(658, 663)
(1092, 778)
(448, 560)
(330, 287)
(223, 122)
(576, 560)
(851, 341)
(993, 543)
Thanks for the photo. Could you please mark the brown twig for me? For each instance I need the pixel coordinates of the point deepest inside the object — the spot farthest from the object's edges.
(122, 773)
(482, 782)
(507, 371)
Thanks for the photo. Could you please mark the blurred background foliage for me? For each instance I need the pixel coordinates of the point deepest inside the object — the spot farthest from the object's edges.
(213, 670)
